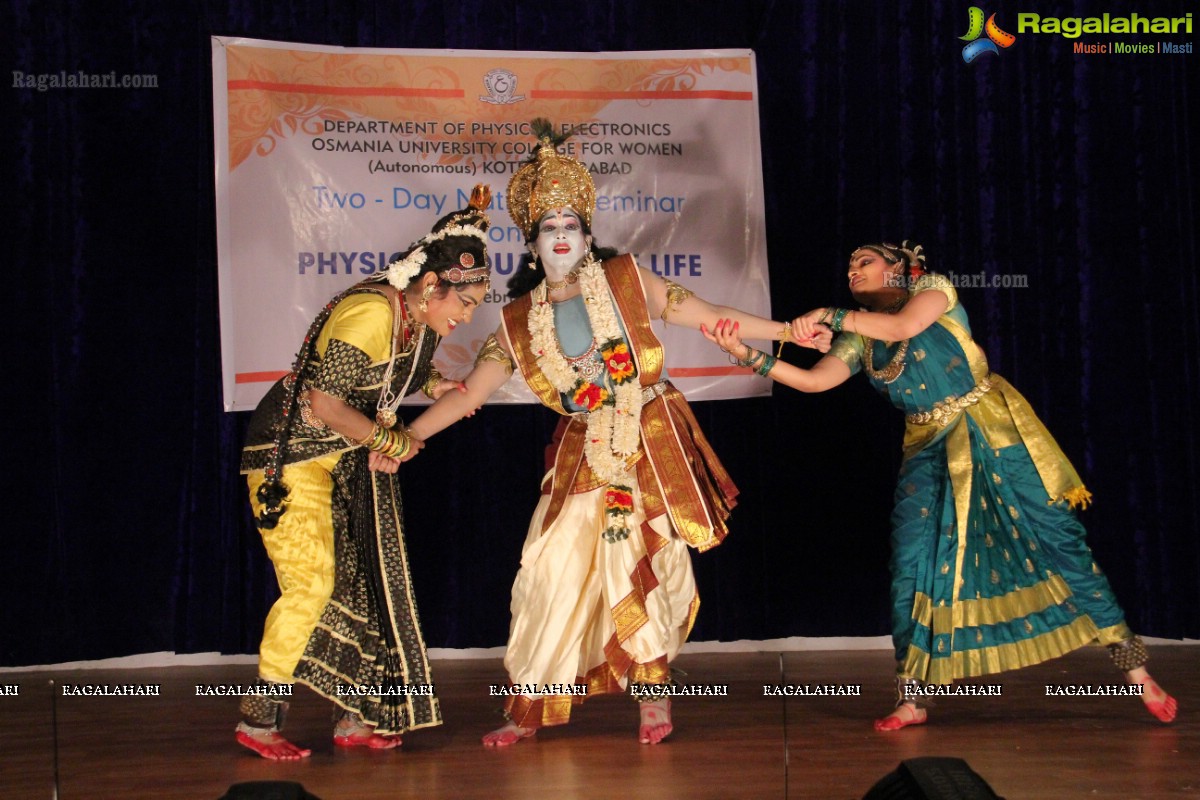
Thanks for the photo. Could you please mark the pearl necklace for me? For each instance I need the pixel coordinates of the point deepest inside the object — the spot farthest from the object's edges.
(389, 401)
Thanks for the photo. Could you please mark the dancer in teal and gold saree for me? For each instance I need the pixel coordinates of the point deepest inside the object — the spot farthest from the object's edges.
(990, 570)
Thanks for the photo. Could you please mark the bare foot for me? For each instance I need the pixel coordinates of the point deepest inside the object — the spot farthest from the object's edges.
(656, 721)
(1157, 701)
(509, 733)
(905, 714)
(367, 738)
(269, 743)
(352, 731)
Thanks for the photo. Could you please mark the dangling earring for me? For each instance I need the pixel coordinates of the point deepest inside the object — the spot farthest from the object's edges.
(425, 295)
(532, 257)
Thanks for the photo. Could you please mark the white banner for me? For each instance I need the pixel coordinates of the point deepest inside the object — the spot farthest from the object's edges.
(330, 161)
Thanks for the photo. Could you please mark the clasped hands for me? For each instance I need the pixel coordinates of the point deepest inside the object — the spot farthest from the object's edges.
(805, 331)
(811, 326)
(378, 462)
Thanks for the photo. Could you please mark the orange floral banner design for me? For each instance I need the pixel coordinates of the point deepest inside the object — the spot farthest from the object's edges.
(276, 93)
(330, 160)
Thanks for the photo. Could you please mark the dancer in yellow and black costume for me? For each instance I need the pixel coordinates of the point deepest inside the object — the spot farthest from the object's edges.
(321, 458)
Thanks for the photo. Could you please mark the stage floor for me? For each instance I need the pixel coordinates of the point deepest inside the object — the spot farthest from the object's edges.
(1025, 744)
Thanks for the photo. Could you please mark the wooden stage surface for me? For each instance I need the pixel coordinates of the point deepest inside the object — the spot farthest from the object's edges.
(746, 745)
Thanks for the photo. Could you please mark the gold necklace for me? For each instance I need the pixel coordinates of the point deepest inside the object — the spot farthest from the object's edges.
(895, 366)
(570, 278)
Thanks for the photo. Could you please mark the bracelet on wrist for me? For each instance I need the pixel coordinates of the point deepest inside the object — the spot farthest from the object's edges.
(431, 383)
(766, 365)
(391, 442)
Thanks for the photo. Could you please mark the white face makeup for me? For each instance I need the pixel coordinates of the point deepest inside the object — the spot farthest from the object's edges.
(561, 243)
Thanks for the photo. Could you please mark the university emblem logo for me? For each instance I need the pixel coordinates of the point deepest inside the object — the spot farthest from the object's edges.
(502, 88)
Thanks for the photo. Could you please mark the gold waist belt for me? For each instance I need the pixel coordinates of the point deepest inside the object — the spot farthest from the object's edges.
(945, 410)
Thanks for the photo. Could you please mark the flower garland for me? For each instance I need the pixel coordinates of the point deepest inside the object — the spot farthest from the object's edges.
(456, 230)
(614, 417)
(401, 271)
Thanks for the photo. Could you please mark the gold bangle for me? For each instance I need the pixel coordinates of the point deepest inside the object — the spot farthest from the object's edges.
(431, 382)
(380, 437)
(366, 440)
(397, 444)
(405, 442)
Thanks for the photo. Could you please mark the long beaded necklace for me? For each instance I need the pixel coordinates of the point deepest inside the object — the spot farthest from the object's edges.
(895, 365)
(389, 401)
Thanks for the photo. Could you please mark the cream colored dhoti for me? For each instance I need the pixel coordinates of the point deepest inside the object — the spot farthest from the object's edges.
(591, 612)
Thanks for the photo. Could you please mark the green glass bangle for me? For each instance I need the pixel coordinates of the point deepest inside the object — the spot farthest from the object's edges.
(751, 357)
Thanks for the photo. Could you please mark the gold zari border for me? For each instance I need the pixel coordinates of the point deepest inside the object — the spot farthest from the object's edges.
(1000, 658)
(990, 610)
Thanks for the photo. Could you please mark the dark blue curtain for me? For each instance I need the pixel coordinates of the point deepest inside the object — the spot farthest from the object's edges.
(127, 530)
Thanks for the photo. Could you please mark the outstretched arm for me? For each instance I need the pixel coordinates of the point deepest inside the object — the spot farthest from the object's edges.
(691, 311)
(487, 376)
(918, 314)
(827, 373)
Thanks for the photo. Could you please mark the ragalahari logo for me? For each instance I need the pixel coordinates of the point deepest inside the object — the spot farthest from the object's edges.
(996, 38)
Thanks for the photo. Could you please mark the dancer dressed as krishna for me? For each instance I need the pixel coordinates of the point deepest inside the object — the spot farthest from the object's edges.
(605, 595)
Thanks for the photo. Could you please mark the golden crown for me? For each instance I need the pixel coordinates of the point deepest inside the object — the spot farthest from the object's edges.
(547, 181)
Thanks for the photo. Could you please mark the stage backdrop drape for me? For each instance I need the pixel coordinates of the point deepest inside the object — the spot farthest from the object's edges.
(126, 529)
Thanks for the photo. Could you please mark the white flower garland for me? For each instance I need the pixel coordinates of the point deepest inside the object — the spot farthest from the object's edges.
(457, 230)
(400, 273)
(613, 429)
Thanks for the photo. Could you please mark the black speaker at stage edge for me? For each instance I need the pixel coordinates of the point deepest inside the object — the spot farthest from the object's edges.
(932, 778)
(268, 790)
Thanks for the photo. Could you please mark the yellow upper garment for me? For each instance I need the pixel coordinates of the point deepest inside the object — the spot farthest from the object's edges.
(363, 320)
